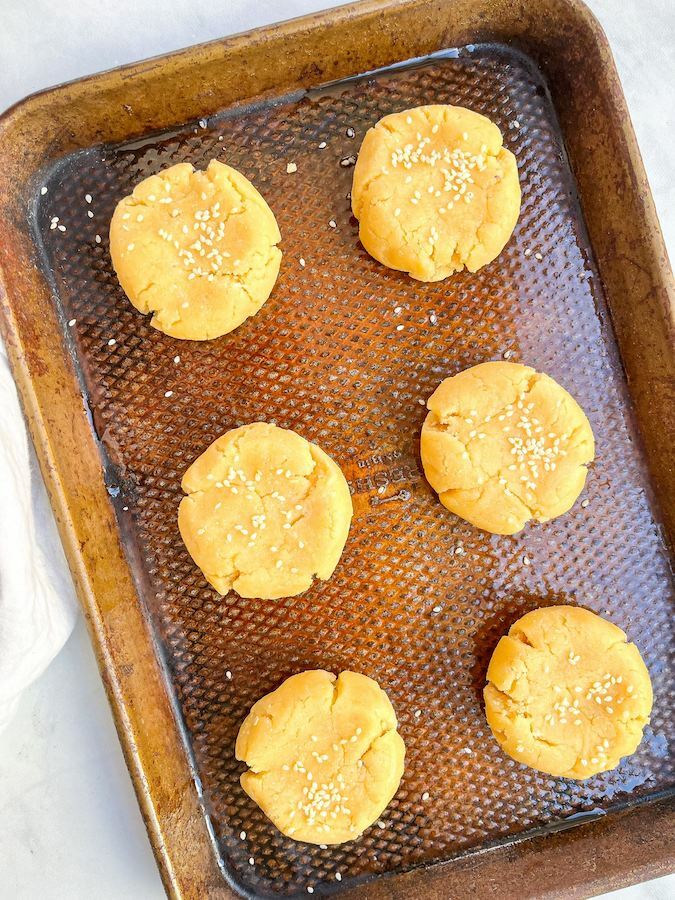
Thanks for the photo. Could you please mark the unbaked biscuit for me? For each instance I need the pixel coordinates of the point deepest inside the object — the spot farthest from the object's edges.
(324, 755)
(435, 191)
(566, 693)
(195, 249)
(503, 444)
(266, 511)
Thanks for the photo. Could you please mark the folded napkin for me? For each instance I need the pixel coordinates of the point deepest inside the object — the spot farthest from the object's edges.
(37, 602)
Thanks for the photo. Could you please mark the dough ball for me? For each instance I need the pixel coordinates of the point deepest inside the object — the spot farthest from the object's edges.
(324, 755)
(266, 511)
(435, 191)
(566, 694)
(503, 444)
(195, 249)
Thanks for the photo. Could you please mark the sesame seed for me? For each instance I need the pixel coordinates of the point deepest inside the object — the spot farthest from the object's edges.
(538, 256)
(584, 503)
(302, 262)
(338, 876)
(168, 393)
(251, 861)
(228, 675)
(310, 889)
(322, 145)
(43, 190)
(332, 223)
(400, 327)
(72, 322)
(526, 561)
(291, 167)
(112, 342)
(97, 238)
(61, 227)
(425, 795)
(380, 825)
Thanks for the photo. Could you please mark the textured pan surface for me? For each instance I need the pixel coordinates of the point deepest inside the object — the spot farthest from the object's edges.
(325, 357)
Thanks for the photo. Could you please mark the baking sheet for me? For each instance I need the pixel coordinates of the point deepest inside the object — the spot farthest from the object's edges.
(420, 598)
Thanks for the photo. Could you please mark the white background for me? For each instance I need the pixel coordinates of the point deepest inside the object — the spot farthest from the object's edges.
(69, 824)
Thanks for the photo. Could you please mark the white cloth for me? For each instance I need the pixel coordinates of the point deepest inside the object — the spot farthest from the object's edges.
(37, 602)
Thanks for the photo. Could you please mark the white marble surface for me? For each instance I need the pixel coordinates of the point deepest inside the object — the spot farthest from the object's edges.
(70, 827)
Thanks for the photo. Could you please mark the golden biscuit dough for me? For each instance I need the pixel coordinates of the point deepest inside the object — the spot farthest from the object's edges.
(195, 249)
(566, 694)
(503, 444)
(435, 191)
(266, 511)
(324, 755)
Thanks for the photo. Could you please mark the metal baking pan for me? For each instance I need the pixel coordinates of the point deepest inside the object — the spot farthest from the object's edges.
(583, 291)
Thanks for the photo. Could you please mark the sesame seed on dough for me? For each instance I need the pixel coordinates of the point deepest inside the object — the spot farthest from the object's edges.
(279, 541)
(548, 692)
(422, 164)
(346, 788)
(531, 461)
(212, 240)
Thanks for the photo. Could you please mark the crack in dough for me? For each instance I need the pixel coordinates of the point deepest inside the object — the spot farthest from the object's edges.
(566, 693)
(324, 755)
(503, 444)
(435, 191)
(196, 249)
(265, 513)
